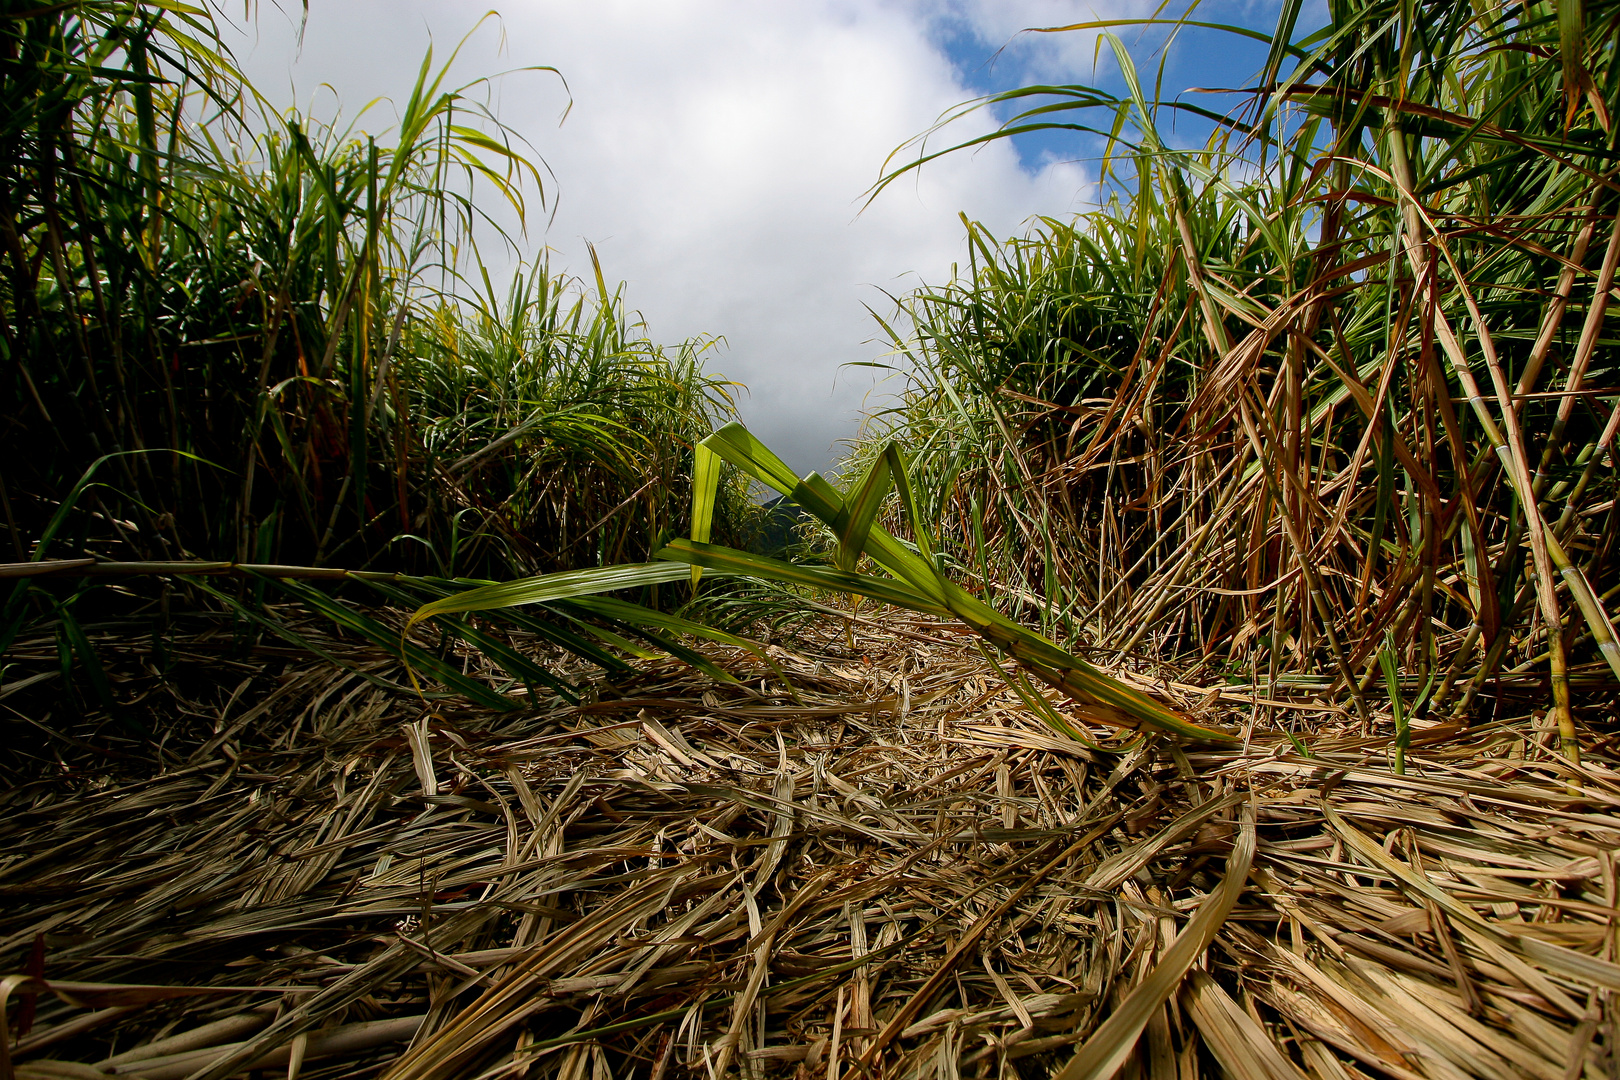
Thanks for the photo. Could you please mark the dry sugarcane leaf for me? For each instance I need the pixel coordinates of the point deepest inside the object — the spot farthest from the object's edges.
(1244, 1050)
(905, 813)
(1117, 867)
(1107, 1047)
(1496, 945)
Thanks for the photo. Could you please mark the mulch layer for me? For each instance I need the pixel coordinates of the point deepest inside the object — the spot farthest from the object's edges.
(871, 860)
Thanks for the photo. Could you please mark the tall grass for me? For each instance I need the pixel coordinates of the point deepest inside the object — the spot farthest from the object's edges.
(284, 333)
(556, 427)
(236, 341)
(1341, 373)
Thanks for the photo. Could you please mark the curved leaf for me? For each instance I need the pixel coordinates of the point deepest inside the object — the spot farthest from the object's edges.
(537, 590)
(730, 560)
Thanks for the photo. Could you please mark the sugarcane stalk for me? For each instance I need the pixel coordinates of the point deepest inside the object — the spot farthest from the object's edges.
(1583, 356)
(1313, 585)
(185, 568)
(1509, 447)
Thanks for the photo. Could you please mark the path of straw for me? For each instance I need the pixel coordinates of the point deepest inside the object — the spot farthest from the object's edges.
(888, 869)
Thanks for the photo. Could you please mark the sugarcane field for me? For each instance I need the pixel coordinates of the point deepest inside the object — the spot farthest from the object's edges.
(1195, 659)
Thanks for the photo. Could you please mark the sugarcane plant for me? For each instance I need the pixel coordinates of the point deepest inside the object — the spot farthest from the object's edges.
(1342, 371)
(912, 577)
(254, 355)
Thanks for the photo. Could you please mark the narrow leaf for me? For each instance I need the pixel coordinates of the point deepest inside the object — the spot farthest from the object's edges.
(744, 563)
(1106, 1050)
(705, 486)
(536, 590)
(861, 511)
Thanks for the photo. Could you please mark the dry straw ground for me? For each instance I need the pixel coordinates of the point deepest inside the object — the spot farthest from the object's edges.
(882, 866)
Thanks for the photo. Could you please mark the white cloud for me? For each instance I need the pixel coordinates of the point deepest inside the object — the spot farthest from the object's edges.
(717, 154)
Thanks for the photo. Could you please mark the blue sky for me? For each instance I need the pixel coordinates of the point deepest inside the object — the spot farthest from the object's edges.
(717, 153)
(1194, 57)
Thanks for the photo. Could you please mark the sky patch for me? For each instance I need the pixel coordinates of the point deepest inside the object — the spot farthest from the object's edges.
(718, 155)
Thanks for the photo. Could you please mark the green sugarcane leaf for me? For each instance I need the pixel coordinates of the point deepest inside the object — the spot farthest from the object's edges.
(705, 486)
(819, 497)
(1392, 681)
(289, 635)
(622, 611)
(72, 498)
(1571, 24)
(917, 573)
(1089, 684)
(577, 643)
(1387, 660)
(920, 531)
(563, 609)
(538, 590)
(737, 445)
(626, 612)
(1035, 702)
(638, 624)
(516, 664)
(855, 524)
(413, 655)
(746, 564)
(921, 586)
(580, 646)
(89, 662)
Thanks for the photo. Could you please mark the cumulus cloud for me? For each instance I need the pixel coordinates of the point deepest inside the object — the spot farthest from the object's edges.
(717, 153)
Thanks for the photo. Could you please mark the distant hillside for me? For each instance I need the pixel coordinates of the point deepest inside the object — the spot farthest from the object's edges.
(778, 519)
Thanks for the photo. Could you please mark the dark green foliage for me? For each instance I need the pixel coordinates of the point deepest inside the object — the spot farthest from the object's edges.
(282, 318)
(234, 335)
